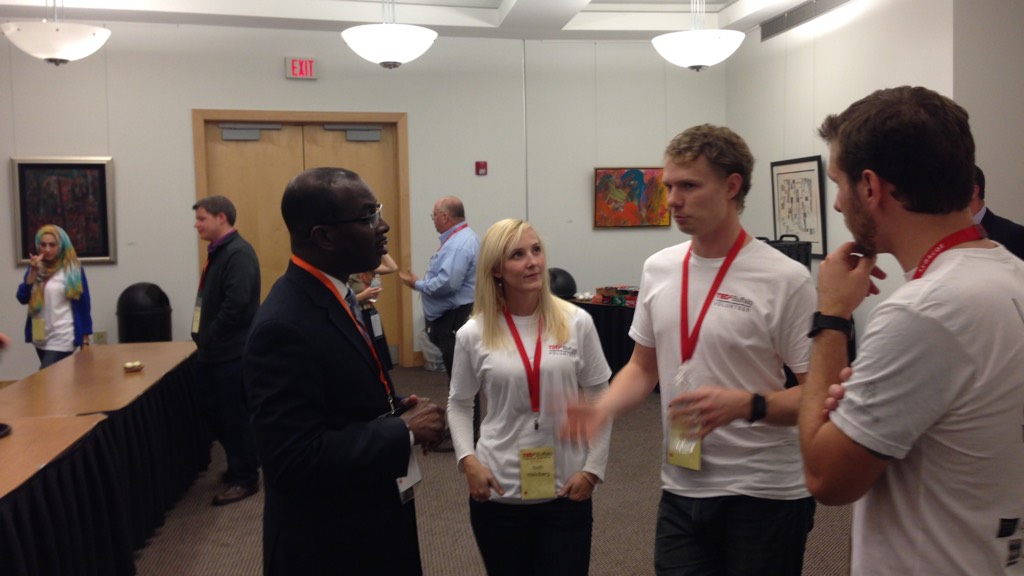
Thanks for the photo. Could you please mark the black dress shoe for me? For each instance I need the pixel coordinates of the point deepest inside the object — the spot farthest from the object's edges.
(234, 494)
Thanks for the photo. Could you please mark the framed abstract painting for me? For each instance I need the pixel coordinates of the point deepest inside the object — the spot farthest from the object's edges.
(75, 193)
(629, 198)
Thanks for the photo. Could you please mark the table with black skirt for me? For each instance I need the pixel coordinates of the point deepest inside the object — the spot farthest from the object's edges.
(96, 457)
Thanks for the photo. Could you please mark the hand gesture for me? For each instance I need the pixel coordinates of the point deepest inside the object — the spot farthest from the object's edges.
(369, 293)
(408, 278)
(424, 419)
(583, 422)
(844, 280)
(710, 407)
(579, 487)
(480, 479)
(836, 393)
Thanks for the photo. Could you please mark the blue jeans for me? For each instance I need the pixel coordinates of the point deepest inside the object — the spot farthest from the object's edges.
(50, 357)
(548, 539)
(223, 395)
(731, 536)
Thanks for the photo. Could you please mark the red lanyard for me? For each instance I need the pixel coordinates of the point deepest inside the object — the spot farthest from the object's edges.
(969, 234)
(362, 331)
(202, 275)
(688, 339)
(454, 232)
(532, 373)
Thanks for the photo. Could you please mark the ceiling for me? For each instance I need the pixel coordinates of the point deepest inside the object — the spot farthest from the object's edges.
(527, 19)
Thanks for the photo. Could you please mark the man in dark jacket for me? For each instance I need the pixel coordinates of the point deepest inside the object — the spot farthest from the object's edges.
(1006, 232)
(337, 444)
(228, 297)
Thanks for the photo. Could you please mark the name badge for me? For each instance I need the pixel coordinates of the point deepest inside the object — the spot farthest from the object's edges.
(195, 314)
(537, 472)
(411, 479)
(38, 329)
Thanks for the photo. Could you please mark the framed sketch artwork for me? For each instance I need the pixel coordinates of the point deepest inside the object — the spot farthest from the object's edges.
(75, 193)
(798, 201)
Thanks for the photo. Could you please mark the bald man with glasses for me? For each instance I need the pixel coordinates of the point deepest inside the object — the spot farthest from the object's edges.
(447, 287)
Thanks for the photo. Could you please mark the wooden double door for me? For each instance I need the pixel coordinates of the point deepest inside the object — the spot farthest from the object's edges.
(249, 157)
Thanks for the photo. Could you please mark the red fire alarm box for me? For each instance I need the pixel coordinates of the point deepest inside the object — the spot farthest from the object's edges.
(481, 168)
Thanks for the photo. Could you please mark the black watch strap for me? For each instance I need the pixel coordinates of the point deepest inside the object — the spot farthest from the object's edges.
(821, 322)
(758, 408)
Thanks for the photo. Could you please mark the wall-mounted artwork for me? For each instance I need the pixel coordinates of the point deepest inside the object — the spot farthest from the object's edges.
(629, 197)
(75, 193)
(798, 201)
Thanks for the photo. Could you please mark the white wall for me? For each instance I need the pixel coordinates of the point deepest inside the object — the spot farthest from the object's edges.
(782, 89)
(543, 114)
(987, 63)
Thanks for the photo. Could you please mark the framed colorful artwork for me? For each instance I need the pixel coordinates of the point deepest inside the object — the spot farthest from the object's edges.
(798, 201)
(75, 193)
(629, 198)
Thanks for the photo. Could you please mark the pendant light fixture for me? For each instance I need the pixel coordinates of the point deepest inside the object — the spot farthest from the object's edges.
(54, 40)
(698, 47)
(389, 44)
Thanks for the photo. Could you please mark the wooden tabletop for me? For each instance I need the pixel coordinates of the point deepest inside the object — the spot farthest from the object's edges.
(92, 380)
(35, 442)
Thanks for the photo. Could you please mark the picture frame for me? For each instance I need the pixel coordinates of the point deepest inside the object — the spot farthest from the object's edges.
(798, 201)
(73, 192)
(630, 198)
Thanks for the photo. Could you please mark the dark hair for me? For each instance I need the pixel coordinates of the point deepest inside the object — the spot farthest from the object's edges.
(724, 149)
(217, 205)
(314, 194)
(979, 181)
(912, 137)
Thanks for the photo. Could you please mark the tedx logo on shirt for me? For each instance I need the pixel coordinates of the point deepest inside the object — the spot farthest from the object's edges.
(733, 302)
(559, 350)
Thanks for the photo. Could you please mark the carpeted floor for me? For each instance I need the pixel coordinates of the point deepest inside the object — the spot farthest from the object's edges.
(202, 540)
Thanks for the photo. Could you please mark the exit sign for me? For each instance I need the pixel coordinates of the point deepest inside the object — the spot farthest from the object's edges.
(302, 68)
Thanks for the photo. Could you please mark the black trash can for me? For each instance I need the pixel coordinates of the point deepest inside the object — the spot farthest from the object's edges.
(143, 314)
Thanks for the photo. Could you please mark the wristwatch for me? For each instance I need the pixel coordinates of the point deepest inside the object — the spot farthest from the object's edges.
(821, 322)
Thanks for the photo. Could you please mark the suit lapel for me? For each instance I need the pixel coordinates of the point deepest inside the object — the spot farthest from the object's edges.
(324, 299)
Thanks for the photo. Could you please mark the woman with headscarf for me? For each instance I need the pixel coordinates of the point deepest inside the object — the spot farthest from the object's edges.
(530, 355)
(57, 294)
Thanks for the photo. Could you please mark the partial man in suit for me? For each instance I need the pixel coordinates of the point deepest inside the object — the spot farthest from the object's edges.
(335, 440)
(1006, 232)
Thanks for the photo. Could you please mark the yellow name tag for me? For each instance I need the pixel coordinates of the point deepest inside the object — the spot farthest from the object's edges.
(537, 472)
(195, 315)
(683, 447)
(38, 329)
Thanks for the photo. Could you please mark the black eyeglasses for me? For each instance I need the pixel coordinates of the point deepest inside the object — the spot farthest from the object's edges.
(373, 219)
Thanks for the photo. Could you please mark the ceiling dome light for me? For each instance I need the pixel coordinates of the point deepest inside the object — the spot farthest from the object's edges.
(389, 45)
(698, 48)
(56, 42)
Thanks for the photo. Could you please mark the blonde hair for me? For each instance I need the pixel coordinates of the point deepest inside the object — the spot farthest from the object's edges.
(489, 304)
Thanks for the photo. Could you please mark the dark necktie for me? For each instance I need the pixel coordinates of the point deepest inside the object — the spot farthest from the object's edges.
(353, 305)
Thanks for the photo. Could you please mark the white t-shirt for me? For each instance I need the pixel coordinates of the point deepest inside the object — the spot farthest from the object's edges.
(938, 385)
(566, 370)
(60, 322)
(757, 322)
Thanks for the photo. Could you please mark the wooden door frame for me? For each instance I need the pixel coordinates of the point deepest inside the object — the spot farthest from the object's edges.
(202, 117)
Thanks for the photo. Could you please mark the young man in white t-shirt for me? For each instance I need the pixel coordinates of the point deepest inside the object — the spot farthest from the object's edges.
(746, 509)
(927, 438)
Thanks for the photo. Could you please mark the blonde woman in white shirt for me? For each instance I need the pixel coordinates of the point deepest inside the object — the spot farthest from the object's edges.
(529, 354)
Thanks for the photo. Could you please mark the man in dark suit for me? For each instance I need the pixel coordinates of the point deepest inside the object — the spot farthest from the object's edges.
(333, 437)
(1006, 232)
